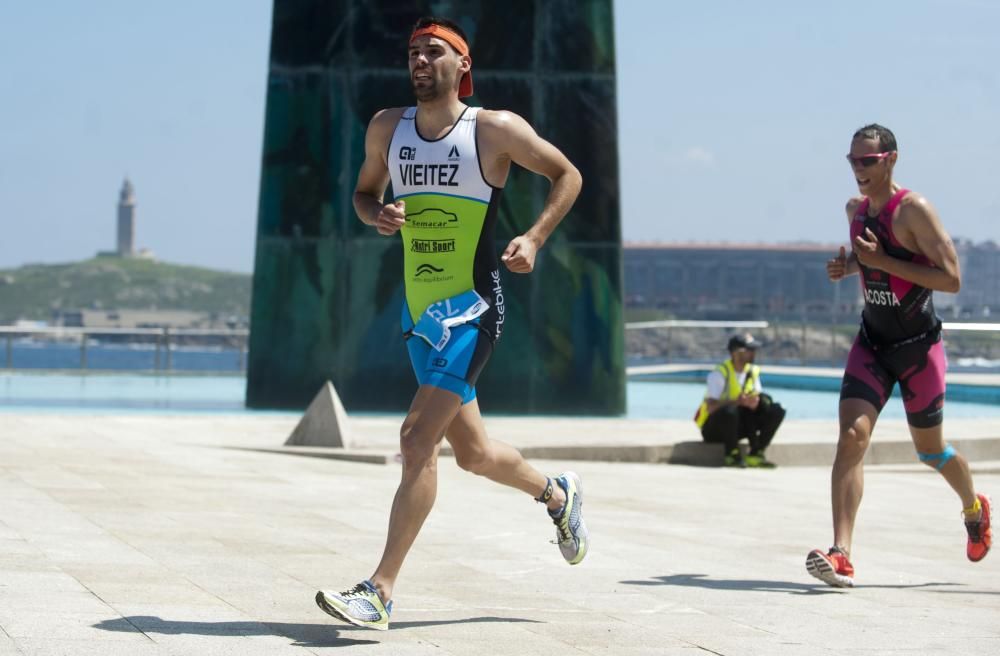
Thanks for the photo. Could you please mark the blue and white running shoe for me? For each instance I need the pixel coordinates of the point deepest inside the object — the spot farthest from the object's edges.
(360, 606)
(571, 533)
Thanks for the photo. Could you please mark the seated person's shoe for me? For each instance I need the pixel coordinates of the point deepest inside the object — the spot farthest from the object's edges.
(758, 461)
(735, 459)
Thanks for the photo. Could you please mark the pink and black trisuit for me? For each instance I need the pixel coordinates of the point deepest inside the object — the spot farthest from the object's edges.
(900, 335)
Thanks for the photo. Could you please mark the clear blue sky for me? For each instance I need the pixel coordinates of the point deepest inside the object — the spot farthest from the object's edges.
(734, 118)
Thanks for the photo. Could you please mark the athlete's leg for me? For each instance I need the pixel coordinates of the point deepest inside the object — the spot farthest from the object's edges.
(866, 386)
(922, 383)
(923, 393)
(430, 413)
(497, 461)
(857, 419)
(930, 442)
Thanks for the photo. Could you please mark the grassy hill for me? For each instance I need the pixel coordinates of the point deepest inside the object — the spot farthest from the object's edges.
(35, 291)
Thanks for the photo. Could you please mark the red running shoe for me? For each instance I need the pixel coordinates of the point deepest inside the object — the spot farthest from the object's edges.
(831, 568)
(980, 532)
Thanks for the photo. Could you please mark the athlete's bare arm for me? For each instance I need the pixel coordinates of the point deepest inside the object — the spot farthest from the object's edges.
(845, 264)
(374, 176)
(505, 137)
(918, 229)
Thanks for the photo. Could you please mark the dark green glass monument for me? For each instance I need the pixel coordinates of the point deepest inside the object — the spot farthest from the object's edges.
(327, 289)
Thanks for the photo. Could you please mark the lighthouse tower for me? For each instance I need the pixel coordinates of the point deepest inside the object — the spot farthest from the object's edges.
(126, 220)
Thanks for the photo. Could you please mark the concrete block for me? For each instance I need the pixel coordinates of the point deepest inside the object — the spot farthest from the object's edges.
(324, 422)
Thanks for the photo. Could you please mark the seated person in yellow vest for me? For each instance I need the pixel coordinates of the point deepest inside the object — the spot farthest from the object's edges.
(736, 408)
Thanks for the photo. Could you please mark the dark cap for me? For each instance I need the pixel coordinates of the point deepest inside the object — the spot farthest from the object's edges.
(745, 340)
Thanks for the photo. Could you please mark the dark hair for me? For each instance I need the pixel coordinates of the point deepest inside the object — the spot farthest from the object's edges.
(886, 139)
(427, 21)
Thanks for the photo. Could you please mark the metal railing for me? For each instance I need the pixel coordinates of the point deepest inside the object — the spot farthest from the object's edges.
(164, 340)
(685, 323)
(673, 325)
(978, 327)
(802, 343)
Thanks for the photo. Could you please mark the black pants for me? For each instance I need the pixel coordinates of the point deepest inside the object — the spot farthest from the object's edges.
(729, 424)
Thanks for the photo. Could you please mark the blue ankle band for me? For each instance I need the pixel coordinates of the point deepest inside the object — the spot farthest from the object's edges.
(942, 458)
(546, 493)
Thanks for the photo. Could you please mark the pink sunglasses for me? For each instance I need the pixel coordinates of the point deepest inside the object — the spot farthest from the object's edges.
(868, 160)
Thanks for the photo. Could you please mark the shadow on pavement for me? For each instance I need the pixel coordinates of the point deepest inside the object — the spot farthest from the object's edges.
(469, 620)
(702, 581)
(304, 635)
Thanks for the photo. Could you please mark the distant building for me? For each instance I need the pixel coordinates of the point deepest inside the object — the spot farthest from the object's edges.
(126, 220)
(781, 281)
(737, 281)
(979, 297)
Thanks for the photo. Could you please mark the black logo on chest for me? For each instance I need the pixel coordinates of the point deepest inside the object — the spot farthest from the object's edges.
(431, 175)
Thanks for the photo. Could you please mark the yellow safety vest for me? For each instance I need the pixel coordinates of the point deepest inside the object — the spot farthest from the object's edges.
(730, 388)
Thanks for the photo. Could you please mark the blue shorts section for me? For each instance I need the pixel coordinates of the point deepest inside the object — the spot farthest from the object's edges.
(448, 368)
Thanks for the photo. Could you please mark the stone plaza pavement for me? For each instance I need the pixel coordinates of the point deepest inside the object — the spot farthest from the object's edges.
(139, 534)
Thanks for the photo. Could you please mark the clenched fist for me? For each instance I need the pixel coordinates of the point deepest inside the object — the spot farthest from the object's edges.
(837, 267)
(391, 218)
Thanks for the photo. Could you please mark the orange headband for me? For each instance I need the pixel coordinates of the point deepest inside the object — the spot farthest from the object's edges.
(455, 41)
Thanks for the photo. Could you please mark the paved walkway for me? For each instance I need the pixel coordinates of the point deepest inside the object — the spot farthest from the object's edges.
(799, 442)
(138, 535)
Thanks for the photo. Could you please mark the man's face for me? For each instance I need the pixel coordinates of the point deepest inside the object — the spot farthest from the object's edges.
(742, 357)
(871, 165)
(434, 67)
